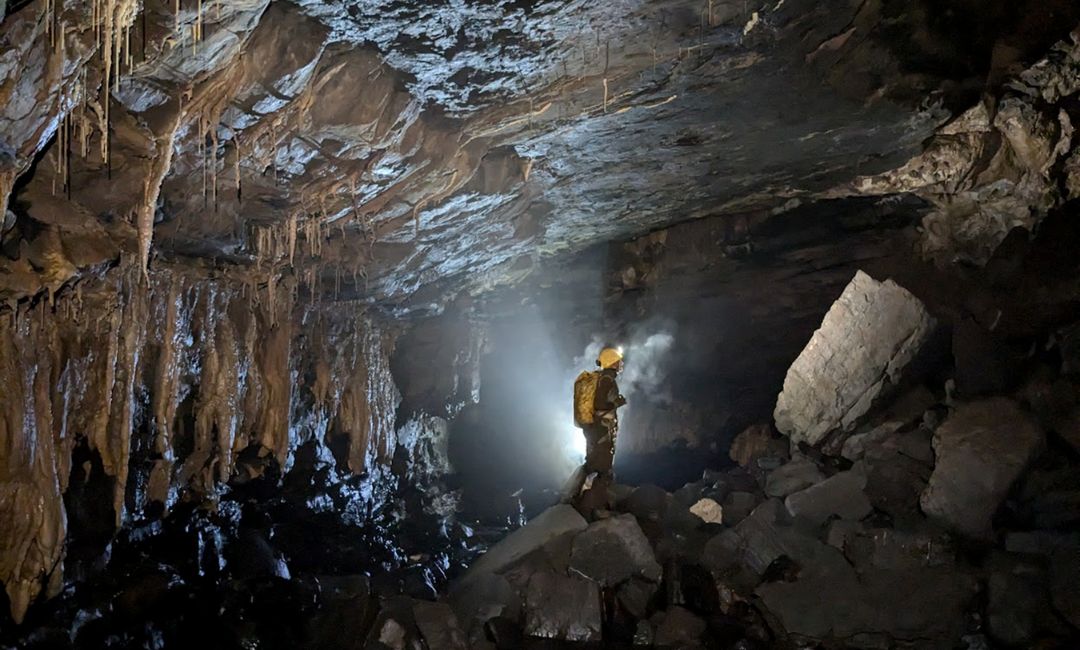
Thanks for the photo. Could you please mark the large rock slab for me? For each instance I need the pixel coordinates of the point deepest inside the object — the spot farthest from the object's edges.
(756, 441)
(544, 529)
(769, 534)
(613, 550)
(797, 475)
(870, 334)
(438, 625)
(679, 628)
(841, 495)
(1016, 600)
(562, 607)
(981, 450)
(928, 610)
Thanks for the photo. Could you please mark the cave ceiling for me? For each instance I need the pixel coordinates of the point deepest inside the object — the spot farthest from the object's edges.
(397, 152)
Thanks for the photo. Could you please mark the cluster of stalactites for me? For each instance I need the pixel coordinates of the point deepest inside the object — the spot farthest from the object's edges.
(217, 360)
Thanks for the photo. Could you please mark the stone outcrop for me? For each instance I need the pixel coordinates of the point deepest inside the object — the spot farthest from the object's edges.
(999, 166)
(842, 495)
(613, 550)
(980, 450)
(872, 332)
(792, 477)
(562, 607)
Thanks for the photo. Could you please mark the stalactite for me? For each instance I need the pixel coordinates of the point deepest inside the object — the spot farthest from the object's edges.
(291, 226)
(159, 167)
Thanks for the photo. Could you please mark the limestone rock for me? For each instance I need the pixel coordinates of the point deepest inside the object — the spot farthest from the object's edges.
(797, 475)
(562, 607)
(548, 526)
(768, 534)
(708, 511)
(438, 625)
(634, 596)
(895, 489)
(1015, 598)
(737, 506)
(856, 446)
(1072, 178)
(613, 550)
(871, 333)
(678, 627)
(929, 609)
(981, 450)
(648, 503)
(841, 495)
(482, 597)
(755, 442)
(898, 550)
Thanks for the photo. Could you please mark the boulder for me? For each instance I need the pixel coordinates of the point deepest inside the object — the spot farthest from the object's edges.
(394, 625)
(981, 449)
(438, 625)
(505, 633)
(755, 442)
(482, 597)
(841, 495)
(908, 407)
(841, 532)
(1015, 601)
(769, 534)
(648, 503)
(894, 484)
(562, 607)
(634, 596)
(1057, 403)
(545, 528)
(928, 610)
(797, 475)
(867, 339)
(708, 511)
(737, 506)
(856, 446)
(899, 550)
(678, 627)
(613, 550)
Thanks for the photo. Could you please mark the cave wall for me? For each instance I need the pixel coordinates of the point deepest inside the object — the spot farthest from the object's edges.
(173, 385)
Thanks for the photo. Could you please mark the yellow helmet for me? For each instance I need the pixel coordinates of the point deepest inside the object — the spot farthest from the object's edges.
(609, 357)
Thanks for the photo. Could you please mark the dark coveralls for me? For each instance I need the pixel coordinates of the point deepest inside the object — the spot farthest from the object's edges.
(600, 441)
